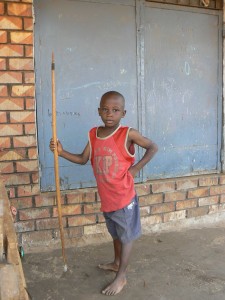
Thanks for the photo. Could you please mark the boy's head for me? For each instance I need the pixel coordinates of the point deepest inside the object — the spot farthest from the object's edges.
(112, 95)
(111, 108)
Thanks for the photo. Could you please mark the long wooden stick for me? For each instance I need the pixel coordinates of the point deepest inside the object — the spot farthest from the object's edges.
(56, 164)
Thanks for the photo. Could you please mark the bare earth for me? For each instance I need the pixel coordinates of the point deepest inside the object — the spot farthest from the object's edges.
(187, 265)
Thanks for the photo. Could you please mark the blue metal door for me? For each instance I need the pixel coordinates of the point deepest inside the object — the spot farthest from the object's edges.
(183, 89)
(164, 59)
(95, 51)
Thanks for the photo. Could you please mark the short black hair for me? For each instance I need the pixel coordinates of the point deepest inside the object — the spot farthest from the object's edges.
(112, 94)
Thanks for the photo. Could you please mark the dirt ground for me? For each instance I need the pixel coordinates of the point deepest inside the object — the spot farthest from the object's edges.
(187, 265)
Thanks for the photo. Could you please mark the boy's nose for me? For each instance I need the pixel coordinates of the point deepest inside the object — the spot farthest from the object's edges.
(109, 113)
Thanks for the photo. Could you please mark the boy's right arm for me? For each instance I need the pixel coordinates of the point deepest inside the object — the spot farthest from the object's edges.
(81, 159)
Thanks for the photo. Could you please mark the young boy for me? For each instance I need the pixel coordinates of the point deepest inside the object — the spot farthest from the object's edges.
(111, 151)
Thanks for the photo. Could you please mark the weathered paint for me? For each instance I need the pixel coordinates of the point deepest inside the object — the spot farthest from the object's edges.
(93, 54)
(182, 89)
(164, 59)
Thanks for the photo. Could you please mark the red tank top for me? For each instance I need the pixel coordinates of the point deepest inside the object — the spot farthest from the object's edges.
(110, 161)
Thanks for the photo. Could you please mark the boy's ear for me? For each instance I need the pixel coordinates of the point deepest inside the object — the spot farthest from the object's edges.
(99, 111)
(124, 113)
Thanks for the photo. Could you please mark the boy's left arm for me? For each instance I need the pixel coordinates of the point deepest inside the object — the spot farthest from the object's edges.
(151, 148)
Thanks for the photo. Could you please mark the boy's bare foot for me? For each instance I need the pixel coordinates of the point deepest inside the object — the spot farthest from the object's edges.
(110, 266)
(115, 287)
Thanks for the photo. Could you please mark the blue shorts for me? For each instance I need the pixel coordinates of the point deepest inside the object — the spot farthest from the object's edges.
(124, 224)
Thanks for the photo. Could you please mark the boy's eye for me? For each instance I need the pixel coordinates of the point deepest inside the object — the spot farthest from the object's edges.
(116, 110)
(104, 109)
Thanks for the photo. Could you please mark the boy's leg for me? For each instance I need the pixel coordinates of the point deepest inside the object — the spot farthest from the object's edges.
(114, 266)
(119, 282)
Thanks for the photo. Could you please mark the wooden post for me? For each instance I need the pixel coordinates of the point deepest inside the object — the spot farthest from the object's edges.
(56, 164)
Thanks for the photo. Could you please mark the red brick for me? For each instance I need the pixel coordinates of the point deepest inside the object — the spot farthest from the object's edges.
(4, 141)
(3, 91)
(24, 141)
(34, 213)
(186, 204)
(10, 77)
(207, 181)
(16, 154)
(222, 198)
(30, 128)
(21, 37)
(11, 50)
(24, 226)
(101, 218)
(2, 8)
(49, 223)
(22, 117)
(44, 201)
(22, 90)
(37, 238)
(35, 177)
(32, 153)
(27, 166)
(29, 51)
(11, 192)
(22, 202)
(28, 190)
(163, 187)
(29, 77)
(222, 179)
(6, 167)
(92, 208)
(175, 196)
(150, 220)
(217, 190)
(11, 129)
(214, 209)
(185, 184)
(19, 9)
(197, 212)
(28, 23)
(208, 200)
(21, 64)
(11, 104)
(72, 232)
(162, 208)
(12, 23)
(17, 179)
(174, 216)
(2, 65)
(144, 211)
(200, 192)
(150, 199)
(30, 104)
(81, 220)
(142, 189)
(68, 210)
(80, 197)
(3, 36)
(3, 117)
(94, 229)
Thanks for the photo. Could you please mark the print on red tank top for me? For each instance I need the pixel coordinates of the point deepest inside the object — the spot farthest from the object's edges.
(110, 161)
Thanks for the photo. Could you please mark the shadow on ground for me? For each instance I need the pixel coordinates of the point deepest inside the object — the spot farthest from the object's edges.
(187, 265)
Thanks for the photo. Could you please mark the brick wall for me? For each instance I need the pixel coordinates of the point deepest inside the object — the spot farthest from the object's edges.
(18, 156)
(161, 201)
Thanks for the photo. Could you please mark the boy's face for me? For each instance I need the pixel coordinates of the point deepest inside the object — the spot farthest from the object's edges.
(111, 110)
